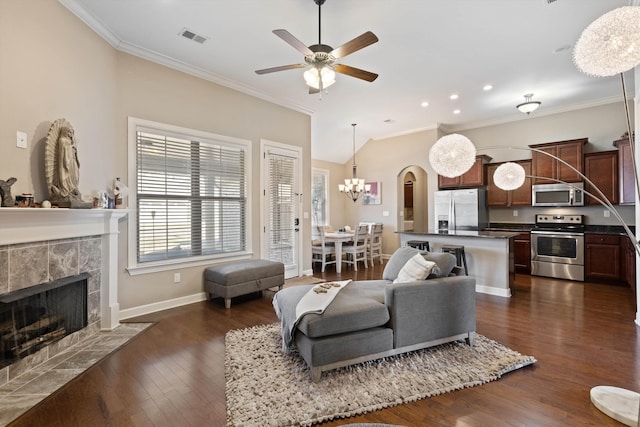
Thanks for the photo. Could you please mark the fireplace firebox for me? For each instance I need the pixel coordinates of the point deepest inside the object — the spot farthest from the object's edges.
(35, 317)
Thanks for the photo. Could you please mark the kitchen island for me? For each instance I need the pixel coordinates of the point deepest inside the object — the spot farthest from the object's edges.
(489, 255)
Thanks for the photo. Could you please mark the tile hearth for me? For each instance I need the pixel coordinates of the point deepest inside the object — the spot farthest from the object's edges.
(25, 391)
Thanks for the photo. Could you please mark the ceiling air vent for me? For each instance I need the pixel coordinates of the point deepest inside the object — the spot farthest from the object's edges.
(186, 33)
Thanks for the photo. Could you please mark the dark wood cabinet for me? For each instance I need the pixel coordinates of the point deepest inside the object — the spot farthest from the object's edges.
(626, 175)
(408, 195)
(603, 259)
(602, 169)
(518, 197)
(545, 166)
(474, 177)
(522, 253)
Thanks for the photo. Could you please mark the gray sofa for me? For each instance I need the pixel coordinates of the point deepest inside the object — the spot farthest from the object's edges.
(372, 319)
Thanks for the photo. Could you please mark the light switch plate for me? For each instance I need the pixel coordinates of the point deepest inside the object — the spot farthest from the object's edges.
(21, 139)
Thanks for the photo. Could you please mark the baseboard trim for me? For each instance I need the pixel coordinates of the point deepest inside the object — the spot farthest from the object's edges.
(162, 305)
(491, 290)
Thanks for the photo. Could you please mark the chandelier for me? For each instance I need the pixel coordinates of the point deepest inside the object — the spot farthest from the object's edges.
(353, 186)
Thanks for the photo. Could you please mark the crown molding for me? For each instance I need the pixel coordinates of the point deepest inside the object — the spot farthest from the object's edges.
(538, 113)
(105, 32)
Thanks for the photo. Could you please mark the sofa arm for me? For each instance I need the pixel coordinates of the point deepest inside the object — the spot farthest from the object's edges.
(427, 310)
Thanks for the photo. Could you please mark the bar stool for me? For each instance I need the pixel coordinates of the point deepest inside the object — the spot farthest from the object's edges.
(458, 251)
(419, 244)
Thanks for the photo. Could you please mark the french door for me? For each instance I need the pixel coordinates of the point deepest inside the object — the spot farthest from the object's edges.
(281, 207)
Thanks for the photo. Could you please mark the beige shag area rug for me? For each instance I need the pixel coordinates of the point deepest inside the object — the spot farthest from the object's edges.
(268, 388)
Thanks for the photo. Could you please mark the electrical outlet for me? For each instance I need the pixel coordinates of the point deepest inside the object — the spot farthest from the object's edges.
(176, 278)
(607, 213)
(21, 139)
(515, 212)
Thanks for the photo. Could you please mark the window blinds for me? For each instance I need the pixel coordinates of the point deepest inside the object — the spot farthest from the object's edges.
(281, 208)
(191, 196)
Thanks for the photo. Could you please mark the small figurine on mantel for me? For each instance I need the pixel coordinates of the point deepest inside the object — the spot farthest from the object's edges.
(5, 192)
(62, 167)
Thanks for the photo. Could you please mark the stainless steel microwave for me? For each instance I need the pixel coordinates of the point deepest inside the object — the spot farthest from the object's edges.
(557, 194)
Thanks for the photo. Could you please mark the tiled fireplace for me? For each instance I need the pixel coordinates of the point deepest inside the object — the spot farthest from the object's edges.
(41, 247)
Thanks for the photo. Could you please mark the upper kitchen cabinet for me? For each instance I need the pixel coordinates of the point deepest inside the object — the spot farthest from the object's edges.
(518, 197)
(602, 169)
(474, 177)
(544, 166)
(626, 176)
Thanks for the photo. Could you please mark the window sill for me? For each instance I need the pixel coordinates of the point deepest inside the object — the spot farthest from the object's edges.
(185, 263)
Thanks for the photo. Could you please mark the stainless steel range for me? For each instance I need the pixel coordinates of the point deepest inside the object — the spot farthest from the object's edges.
(557, 246)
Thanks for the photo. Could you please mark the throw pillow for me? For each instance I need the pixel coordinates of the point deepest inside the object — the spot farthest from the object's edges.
(397, 261)
(417, 268)
(445, 262)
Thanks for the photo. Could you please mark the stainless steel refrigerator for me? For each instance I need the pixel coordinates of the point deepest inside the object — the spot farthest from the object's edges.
(460, 209)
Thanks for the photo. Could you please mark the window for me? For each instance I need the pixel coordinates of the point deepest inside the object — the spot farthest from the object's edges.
(190, 195)
(319, 198)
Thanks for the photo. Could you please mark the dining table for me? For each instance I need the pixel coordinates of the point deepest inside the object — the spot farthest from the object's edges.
(338, 238)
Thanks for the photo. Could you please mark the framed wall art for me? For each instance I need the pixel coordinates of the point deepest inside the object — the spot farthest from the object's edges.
(375, 195)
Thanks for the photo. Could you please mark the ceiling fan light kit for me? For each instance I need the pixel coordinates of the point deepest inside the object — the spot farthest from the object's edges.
(322, 58)
(316, 77)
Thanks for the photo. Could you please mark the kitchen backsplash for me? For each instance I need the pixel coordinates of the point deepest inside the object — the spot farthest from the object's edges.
(594, 215)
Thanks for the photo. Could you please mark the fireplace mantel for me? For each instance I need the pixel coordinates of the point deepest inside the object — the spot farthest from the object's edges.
(26, 225)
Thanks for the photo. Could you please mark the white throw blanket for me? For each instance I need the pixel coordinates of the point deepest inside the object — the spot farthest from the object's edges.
(316, 301)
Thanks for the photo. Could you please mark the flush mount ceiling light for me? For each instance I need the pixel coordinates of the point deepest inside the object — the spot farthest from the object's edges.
(610, 44)
(452, 155)
(509, 176)
(528, 106)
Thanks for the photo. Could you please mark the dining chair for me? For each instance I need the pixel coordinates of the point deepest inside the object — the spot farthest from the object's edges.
(374, 245)
(357, 250)
(323, 251)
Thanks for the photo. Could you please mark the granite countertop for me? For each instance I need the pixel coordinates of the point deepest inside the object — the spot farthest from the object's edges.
(608, 229)
(508, 226)
(485, 234)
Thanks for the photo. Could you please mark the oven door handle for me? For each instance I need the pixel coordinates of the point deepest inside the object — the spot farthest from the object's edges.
(558, 234)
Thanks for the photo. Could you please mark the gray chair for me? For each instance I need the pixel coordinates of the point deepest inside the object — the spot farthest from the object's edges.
(357, 250)
(374, 245)
(323, 251)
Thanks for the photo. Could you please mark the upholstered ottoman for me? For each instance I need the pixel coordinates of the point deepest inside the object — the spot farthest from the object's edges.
(237, 278)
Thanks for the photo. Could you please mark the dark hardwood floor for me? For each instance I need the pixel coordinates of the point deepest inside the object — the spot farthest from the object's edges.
(582, 335)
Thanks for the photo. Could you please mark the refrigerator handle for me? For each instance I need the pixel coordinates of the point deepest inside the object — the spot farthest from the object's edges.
(452, 214)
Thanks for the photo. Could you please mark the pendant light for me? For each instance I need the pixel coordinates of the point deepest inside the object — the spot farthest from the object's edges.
(353, 186)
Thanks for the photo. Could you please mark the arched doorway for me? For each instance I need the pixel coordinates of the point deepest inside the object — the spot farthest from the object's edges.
(412, 199)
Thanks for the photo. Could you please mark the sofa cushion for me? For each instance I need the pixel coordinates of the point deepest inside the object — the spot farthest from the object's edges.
(355, 308)
(445, 261)
(397, 261)
(417, 268)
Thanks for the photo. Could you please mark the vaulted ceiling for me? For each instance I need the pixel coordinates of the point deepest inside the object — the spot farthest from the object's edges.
(427, 51)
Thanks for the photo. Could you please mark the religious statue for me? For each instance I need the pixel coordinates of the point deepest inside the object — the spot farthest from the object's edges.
(62, 167)
(5, 192)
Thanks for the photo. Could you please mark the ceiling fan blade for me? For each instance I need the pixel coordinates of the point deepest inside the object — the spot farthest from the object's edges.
(280, 68)
(355, 72)
(297, 44)
(354, 45)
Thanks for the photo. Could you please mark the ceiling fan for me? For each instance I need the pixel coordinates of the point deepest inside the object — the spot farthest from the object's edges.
(321, 58)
